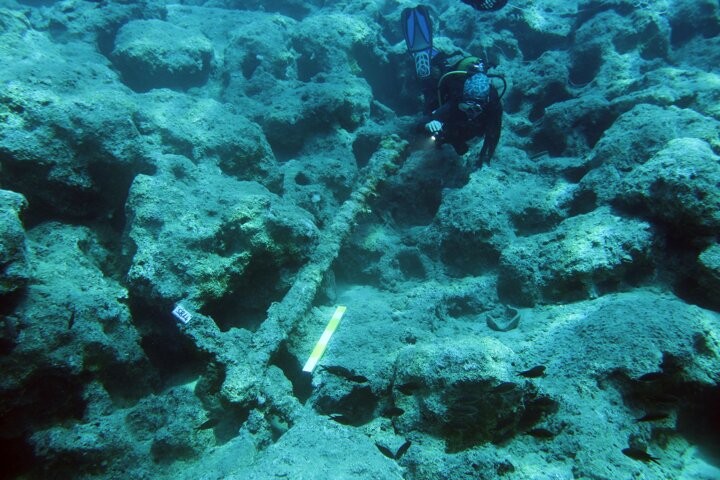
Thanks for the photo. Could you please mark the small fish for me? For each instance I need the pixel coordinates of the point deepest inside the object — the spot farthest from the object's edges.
(340, 418)
(652, 377)
(542, 403)
(534, 372)
(639, 454)
(409, 387)
(71, 320)
(209, 423)
(392, 412)
(403, 448)
(504, 387)
(542, 433)
(653, 416)
(345, 373)
(385, 450)
(666, 399)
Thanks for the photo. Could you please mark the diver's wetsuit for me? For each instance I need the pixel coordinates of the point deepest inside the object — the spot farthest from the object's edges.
(458, 128)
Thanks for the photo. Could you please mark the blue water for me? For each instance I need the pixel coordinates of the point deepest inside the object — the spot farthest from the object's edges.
(529, 261)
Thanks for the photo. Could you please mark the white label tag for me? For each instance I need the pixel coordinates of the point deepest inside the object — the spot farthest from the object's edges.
(181, 314)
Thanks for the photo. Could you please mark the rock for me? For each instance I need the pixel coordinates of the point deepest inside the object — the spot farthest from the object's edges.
(464, 391)
(477, 222)
(77, 20)
(643, 131)
(633, 139)
(205, 130)
(171, 423)
(295, 97)
(321, 180)
(13, 22)
(678, 186)
(73, 328)
(330, 43)
(58, 147)
(193, 232)
(690, 19)
(709, 272)
(260, 44)
(586, 255)
(298, 110)
(155, 54)
(74, 316)
(289, 457)
(14, 271)
(633, 333)
(629, 353)
(641, 31)
(82, 448)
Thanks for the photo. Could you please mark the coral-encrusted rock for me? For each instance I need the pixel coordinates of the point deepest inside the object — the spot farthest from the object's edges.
(155, 54)
(67, 137)
(584, 256)
(75, 20)
(632, 332)
(709, 277)
(694, 18)
(337, 101)
(288, 457)
(71, 327)
(643, 131)
(475, 228)
(260, 46)
(13, 261)
(465, 391)
(678, 185)
(478, 221)
(332, 42)
(297, 79)
(170, 422)
(88, 448)
(75, 316)
(635, 137)
(192, 232)
(204, 129)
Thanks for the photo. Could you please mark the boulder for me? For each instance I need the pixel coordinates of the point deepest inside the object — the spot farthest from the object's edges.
(14, 268)
(192, 233)
(480, 220)
(71, 328)
(464, 391)
(678, 186)
(155, 54)
(709, 272)
(584, 256)
(206, 130)
(67, 138)
(289, 457)
(634, 138)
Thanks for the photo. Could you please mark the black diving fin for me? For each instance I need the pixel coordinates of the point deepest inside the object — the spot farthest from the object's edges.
(417, 29)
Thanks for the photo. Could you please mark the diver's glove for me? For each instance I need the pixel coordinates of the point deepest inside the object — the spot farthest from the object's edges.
(433, 127)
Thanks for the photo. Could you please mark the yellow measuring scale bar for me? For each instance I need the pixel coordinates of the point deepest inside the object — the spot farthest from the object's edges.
(321, 345)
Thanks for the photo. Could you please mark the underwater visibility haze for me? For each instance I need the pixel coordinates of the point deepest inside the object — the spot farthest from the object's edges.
(360, 239)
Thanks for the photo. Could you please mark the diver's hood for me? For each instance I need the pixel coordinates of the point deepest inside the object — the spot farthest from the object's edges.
(477, 88)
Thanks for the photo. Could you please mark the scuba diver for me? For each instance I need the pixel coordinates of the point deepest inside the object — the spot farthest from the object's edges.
(461, 103)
